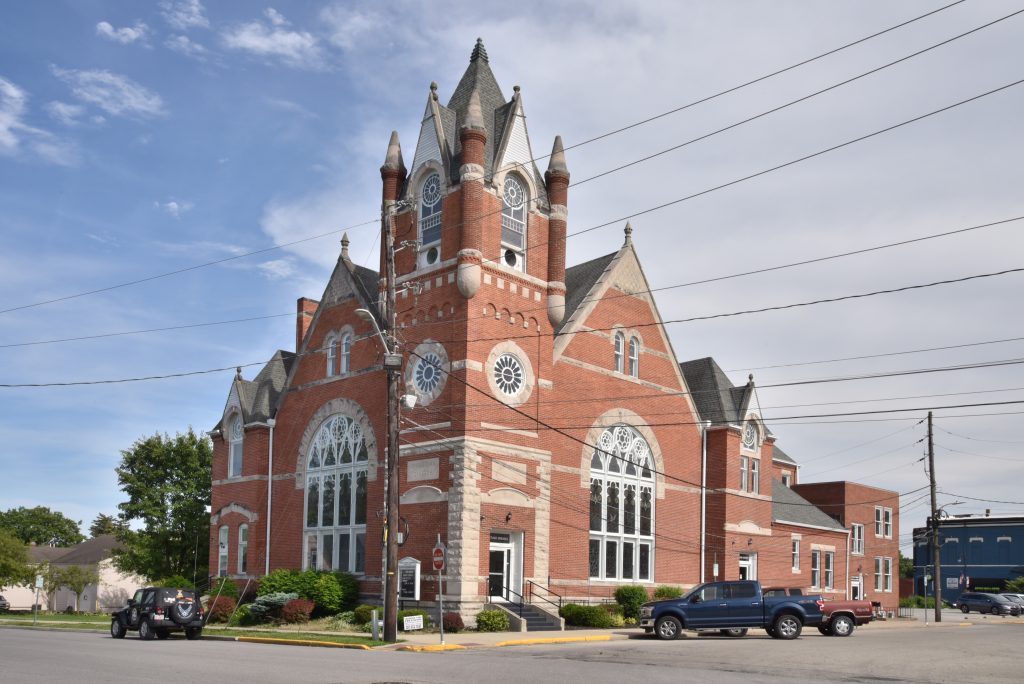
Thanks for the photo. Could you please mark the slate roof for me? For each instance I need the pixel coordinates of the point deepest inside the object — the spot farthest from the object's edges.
(367, 280)
(478, 76)
(790, 507)
(780, 455)
(259, 396)
(579, 280)
(89, 552)
(714, 395)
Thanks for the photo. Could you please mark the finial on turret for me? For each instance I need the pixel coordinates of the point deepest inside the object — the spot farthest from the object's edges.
(750, 378)
(393, 160)
(557, 161)
(238, 373)
(628, 230)
(516, 90)
(433, 90)
(479, 51)
(474, 112)
(344, 246)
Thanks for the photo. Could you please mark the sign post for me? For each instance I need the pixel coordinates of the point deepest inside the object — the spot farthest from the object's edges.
(35, 606)
(438, 557)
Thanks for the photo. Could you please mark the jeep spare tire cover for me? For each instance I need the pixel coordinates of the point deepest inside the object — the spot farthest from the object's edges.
(183, 611)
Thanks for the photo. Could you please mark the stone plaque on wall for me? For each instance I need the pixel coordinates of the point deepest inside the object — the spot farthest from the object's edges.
(423, 469)
(507, 471)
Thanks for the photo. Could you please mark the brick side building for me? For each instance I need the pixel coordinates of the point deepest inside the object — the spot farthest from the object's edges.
(556, 444)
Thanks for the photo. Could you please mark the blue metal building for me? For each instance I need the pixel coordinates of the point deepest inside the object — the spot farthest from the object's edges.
(979, 553)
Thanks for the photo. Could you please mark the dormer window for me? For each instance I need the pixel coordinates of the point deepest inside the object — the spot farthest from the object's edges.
(430, 220)
(513, 224)
(332, 355)
(634, 357)
(235, 447)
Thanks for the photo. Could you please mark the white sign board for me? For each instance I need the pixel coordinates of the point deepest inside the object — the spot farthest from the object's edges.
(411, 622)
(952, 583)
(39, 581)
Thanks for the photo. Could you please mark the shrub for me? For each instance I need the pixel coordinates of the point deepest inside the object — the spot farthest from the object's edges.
(297, 610)
(279, 582)
(349, 590)
(268, 607)
(631, 597)
(220, 609)
(226, 588)
(617, 620)
(586, 616)
(409, 612)
(242, 617)
(326, 594)
(918, 602)
(175, 581)
(666, 591)
(492, 621)
(453, 623)
(364, 613)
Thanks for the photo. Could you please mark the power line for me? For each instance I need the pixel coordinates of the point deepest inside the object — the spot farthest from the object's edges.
(978, 439)
(580, 144)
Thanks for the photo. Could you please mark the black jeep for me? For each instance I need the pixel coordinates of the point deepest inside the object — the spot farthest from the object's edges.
(158, 611)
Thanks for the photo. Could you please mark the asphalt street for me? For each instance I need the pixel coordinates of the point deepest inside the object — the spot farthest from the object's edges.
(954, 652)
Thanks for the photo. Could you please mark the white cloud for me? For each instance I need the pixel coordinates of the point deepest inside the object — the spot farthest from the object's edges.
(298, 49)
(278, 269)
(14, 131)
(275, 17)
(347, 27)
(186, 46)
(203, 246)
(291, 107)
(65, 112)
(184, 14)
(125, 36)
(174, 208)
(115, 94)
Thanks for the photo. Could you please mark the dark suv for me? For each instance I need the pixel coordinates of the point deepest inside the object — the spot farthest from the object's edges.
(158, 611)
(986, 603)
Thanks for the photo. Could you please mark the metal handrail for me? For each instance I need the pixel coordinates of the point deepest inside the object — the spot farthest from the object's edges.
(531, 584)
(519, 605)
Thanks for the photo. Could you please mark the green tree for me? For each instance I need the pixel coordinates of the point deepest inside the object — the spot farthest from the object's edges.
(167, 482)
(104, 524)
(906, 567)
(14, 565)
(1016, 586)
(76, 578)
(42, 526)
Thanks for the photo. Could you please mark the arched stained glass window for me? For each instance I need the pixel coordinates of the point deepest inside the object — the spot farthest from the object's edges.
(621, 506)
(336, 486)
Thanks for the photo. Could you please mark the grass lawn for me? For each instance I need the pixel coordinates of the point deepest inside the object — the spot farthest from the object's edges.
(55, 617)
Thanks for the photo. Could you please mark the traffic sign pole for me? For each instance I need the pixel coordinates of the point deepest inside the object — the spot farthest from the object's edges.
(439, 562)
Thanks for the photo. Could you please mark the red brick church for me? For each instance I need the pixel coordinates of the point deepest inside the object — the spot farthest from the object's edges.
(557, 445)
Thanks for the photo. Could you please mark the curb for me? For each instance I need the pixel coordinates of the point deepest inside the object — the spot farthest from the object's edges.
(298, 642)
(553, 640)
(435, 648)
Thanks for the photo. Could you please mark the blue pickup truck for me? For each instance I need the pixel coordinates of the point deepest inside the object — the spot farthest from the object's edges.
(732, 608)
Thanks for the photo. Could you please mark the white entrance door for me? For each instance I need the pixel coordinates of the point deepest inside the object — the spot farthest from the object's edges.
(504, 567)
(748, 566)
(855, 592)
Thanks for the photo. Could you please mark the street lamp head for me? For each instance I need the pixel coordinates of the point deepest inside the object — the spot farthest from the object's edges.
(366, 315)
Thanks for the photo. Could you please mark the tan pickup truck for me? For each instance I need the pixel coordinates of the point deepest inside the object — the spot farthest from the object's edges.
(839, 616)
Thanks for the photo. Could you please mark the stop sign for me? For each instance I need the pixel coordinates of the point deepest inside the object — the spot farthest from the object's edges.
(438, 558)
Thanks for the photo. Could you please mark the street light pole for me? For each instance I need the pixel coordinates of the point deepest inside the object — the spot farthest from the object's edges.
(393, 365)
(936, 547)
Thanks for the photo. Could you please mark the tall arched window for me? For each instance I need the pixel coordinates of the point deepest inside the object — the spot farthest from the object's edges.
(513, 224)
(430, 218)
(346, 353)
(222, 551)
(336, 469)
(235, 446)
(620, 344)
(332, 355)
(621, 506)
(634, 357)
(243, 549)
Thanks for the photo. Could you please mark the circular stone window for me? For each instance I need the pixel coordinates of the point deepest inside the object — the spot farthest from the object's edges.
(427, 372)
(508, 374)
(432, 255)
(750, 435)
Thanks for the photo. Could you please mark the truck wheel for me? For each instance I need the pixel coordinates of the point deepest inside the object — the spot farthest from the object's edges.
(842, 625)
(117, 629)
(736, 632)
(193, 633)
(145, 631)
(964, 608)
(825, 629)
(787, 627)
(668, 628)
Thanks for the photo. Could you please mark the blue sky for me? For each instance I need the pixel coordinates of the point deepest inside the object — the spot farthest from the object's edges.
(142, 138)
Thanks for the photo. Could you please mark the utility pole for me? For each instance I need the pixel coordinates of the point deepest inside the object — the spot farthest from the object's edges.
(393, 365)
(936, 549)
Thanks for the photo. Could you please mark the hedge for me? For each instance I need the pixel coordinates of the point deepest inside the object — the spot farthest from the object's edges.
(492, 621)
(631, 597)
(586, 616)
(666, 591)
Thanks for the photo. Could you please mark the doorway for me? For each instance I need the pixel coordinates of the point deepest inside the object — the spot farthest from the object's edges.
(748, 566)
(504, 568)
(855, 591)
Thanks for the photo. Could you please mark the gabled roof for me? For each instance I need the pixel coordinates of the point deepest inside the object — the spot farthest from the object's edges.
(714, 395)
(781, 456)
(266, 388)
(579, 281)
(790, 507)
(479, 77)
(89, 552)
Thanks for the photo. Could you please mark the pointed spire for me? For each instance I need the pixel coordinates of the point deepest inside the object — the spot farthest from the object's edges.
(557, 161)
(393, 160)
(629, 233)
(474, 113)
(479, 51)
(344, 247)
